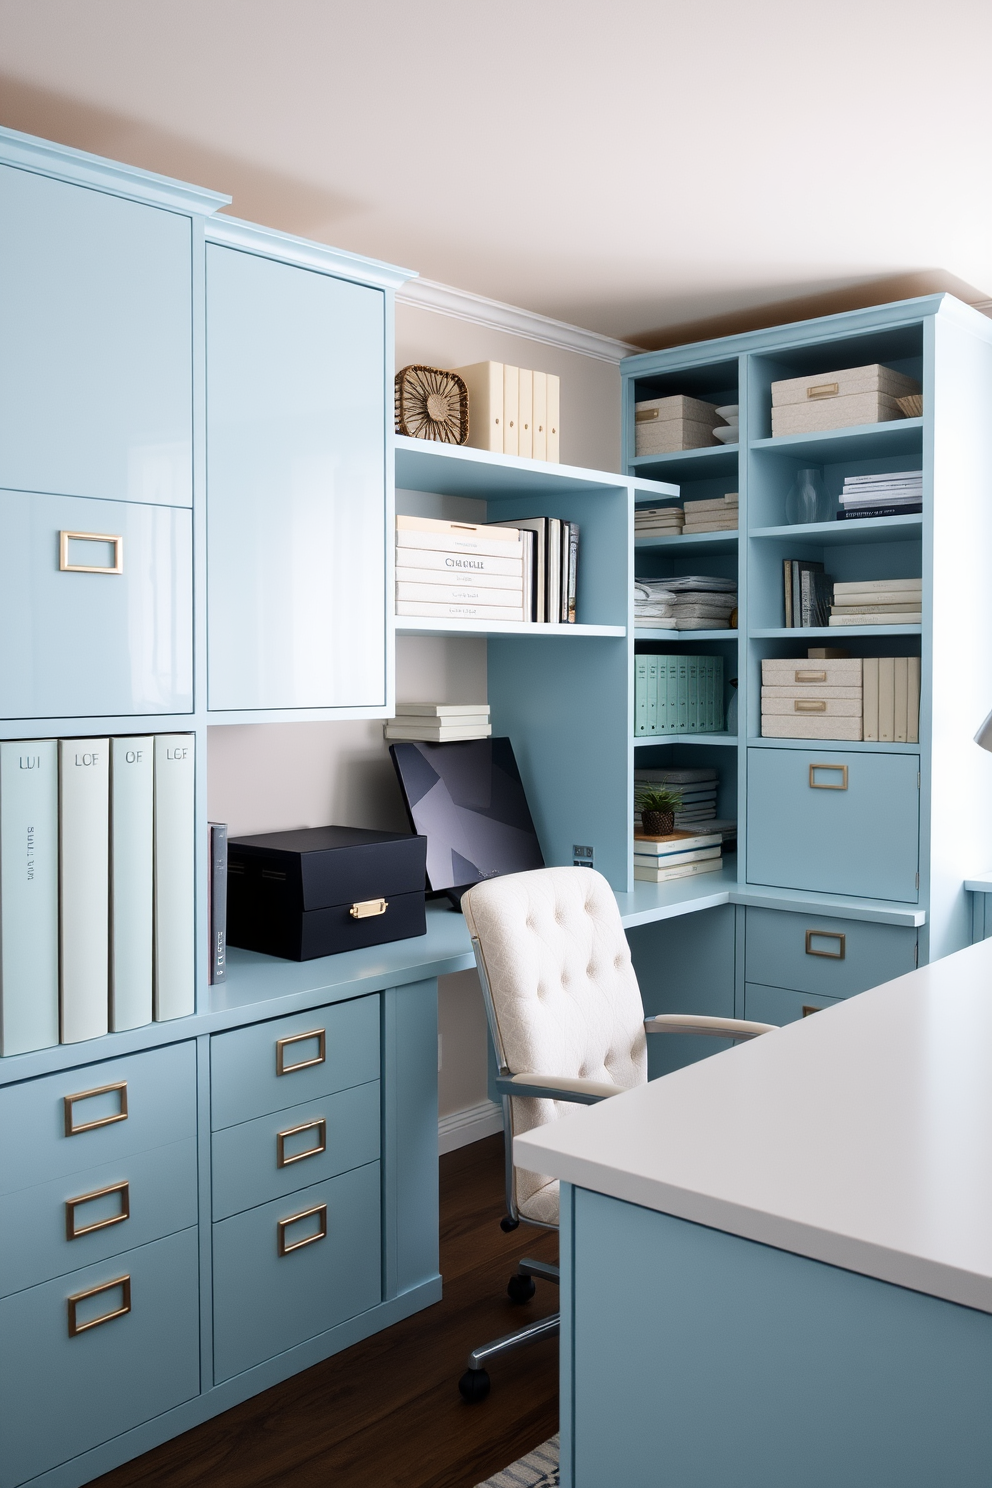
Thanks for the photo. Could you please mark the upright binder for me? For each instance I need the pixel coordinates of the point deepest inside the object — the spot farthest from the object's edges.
(29, 895)
(553, 415)
(84, 887)
(539, 441)
(484, 381)
(131, 882)
(217, 897)
(175, 937)
(511, 410)
(525, 412)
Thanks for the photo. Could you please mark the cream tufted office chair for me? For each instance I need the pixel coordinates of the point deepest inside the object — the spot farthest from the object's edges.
(568, 1025)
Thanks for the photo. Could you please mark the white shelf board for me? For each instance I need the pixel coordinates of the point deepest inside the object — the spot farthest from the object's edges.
(832, 632)
(428, 625)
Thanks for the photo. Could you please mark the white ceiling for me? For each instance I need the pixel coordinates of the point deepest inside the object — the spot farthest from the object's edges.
(627, 166)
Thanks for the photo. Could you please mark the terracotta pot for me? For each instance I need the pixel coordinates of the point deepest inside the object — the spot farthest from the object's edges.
(658, 823)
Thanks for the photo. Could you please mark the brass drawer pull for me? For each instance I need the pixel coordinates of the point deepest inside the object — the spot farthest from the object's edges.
(282, 1225)
(823, 390)
(811, 676)
(809, 1008)
(65, 538)
(73, 1128)
(367, 908)
(282, 1068)
(76, 1327)
(73, 1232)
(319, 1126)
(808, 705)
(837, 935)
(822, 784)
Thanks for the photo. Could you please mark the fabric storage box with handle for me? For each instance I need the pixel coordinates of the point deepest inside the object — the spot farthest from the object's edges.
(834, 400)
(663, 425)
(812, 699)
(323, 890)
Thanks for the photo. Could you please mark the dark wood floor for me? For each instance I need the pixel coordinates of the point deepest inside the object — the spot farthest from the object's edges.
(386, 1413)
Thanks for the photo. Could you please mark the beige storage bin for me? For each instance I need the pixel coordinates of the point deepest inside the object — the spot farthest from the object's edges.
(837, 400)
(810, 728)
(664, 425)
(792, 671)
(811, 707)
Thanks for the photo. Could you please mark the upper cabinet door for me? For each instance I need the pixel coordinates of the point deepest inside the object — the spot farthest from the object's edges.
(296, 485)
(95, 344)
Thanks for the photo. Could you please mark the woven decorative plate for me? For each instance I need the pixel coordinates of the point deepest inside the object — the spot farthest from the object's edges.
(911, 405)
(431, 404)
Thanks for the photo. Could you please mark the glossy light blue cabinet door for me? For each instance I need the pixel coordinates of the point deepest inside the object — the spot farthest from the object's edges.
(295, 487)
(289, 1270)
(96, 392)
(91, 644)
(63, 1395)
(833, 821)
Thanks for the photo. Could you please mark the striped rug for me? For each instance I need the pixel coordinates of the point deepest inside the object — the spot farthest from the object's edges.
(539, 1469)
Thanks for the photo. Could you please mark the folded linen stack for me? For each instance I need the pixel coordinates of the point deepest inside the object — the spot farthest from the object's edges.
(654, 604)
(658, 521)
(898, 493)
(718, 515)
(703, 601)
(439, 723)
(729, 432)
(878, 602)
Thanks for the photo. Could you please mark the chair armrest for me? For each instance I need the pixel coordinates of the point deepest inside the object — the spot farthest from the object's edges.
(557, 1087)
(735, 1028)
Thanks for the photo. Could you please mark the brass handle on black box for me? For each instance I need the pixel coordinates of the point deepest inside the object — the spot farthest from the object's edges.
(366, 908)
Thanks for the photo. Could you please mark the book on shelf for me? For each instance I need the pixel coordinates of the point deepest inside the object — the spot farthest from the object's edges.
(913, 509)
(131, 881)
(539, 435)
(462, 593)
(443, 710)
(554, 417)
(484, 381)
(84, 889)
(461, 611)
(432, 563)
(672, 859)
(456, 537)
(646, 873)
(217, 900)
(880, 604)
(792, 573)
(175, 901)
(680, 776)
(461, 579)
(815, 591)
(846, 591)
(674, 842)
(511, 410)
(898, 617)
(555, 566)
(29, 895)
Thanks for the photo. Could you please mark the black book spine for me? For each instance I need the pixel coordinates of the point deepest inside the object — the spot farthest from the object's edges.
(881, 511)
(218, 902)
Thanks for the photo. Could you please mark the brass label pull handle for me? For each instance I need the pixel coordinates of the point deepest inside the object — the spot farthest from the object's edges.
(808, 705)
(645, 415)
(840, 770)
(367, 908)
(282, 1068)
(65, 556)
(318, 1212)
(69, 1103)
(835, 935)
(823, 390)
(809, 1008)
(76, 1327)
(811, 676)
(318, 1127)
(74, 1231)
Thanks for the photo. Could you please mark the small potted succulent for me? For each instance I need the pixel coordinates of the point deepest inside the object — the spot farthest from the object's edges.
(657, 805)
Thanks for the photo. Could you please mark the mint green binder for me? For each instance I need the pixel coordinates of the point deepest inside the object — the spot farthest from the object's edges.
(640, 695)
(651, 710)
(664, 668)
(683, 695)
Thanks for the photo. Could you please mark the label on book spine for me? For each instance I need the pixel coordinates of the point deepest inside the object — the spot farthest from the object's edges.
(84, 897)
(29, 896)
(174, 864)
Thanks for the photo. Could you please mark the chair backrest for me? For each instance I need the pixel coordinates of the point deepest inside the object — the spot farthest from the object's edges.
(563, 997)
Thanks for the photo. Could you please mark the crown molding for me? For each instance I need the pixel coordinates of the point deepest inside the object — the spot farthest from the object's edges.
(462, 304)
(234, 233)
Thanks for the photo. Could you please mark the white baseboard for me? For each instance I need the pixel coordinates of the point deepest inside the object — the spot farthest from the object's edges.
(461, 1127)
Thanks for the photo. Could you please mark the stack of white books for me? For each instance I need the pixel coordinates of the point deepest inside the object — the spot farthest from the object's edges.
(717, 515)
(439, 723)
(878, 602)
(658, 521)
(679, 855)
(897, 493)
(460, 570)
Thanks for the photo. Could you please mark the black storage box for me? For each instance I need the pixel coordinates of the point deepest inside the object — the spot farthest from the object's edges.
(324, 889)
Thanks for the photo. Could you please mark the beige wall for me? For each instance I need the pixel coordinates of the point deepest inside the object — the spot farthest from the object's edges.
(277, 776)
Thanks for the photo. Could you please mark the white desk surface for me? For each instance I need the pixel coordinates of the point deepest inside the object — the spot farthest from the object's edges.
(861, 1136)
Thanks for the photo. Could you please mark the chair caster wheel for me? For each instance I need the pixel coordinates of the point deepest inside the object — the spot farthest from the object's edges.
(508, 1225)
(474, 1385)
(520, 1288)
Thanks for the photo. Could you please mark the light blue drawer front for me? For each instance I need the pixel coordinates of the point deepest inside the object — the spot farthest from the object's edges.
(95, 329)
(61, 1395)
(836, 823)
(817, 953)
(151, 1194)
(778, 1005)
(161, 1108)
(89, 644)
(316, 1141)
(295, 487)
(265, 1302)
(329, 1049)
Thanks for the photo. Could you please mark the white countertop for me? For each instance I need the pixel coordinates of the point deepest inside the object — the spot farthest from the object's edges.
(861, 1136)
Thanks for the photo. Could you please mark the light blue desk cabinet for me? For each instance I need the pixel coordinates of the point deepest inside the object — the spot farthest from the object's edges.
(80, 644)
(296, 486)
(96, 393)
(686, 965)
(697, 1325)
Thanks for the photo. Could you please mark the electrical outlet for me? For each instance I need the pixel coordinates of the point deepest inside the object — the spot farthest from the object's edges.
(581, 856)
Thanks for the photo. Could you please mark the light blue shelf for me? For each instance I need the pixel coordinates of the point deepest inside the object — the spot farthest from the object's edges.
(858, 442)
(456, 470)
(648, 903)
(834, 633)
(839, 534)
(683, 637)
(709, 463)
(702, 542)
(640, 740)
(867, 746)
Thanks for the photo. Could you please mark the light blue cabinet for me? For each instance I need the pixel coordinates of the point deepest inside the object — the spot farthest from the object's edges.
(819, 953)
(78, 643)
(780, 1005)
(96, 346)
(834, 822)
(296, 487)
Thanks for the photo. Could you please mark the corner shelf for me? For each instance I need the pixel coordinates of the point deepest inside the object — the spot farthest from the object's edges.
(425, 625)
(856, 442)
(869, 746)
(712, 461)
(459, 470)
(839, 534)
(691, 543)
(643, 740)
(832, 632)
(648, 633)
